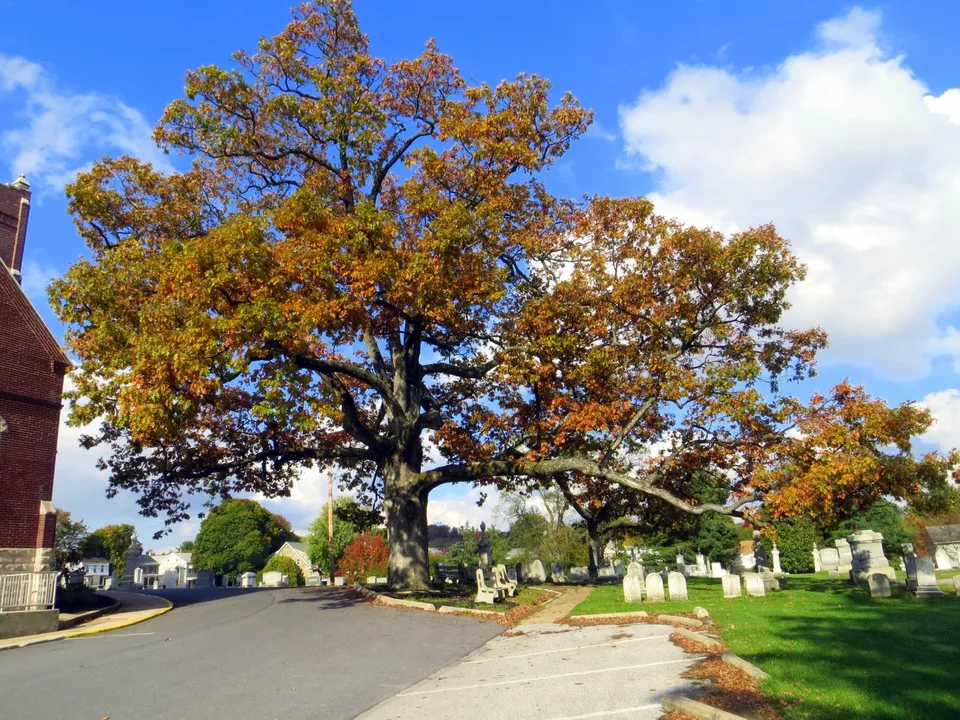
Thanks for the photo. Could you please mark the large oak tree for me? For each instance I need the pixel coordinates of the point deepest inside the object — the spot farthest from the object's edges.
(361, 252)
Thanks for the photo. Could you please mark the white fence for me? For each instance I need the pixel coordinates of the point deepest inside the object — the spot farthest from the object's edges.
(27, 591)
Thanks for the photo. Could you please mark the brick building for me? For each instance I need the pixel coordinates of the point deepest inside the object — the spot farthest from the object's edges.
(32, 367)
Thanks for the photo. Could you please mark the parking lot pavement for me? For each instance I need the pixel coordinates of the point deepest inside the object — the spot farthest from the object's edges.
(553, 672)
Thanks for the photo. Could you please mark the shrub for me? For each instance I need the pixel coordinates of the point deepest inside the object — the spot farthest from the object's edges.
(287, 566)
(366, 555)
(795, 540)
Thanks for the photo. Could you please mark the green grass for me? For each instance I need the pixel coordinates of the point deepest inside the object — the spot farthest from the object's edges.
(834, 652)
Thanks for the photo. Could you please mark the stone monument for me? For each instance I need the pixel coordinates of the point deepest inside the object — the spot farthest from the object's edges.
(777, 570)
(654, 588)
(867, 558)
(879, 585)
(681, 564)
(716, 570)
(677, 585)
(844, 557)
(483, 548)
(754, 584)
(132, 563)
(633, 584)
(926, 578)
(557, 573)
(536, 572)
(817, 565)
(731, 586)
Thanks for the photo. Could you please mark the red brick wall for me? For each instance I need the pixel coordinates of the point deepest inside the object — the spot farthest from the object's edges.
(13, 224)
(30, 388)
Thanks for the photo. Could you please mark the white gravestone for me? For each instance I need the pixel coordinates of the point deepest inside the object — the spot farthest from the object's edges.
(817, 565)
(829, 560)
(605, 572)
(372, 580)
(910, 563)
(632, 588)
(716, 570)
(879, 585)
(844, 556)
(677, 584)
(731, 586)
(618, 568)
(754, 584)
(273, 579)
(635, 568)
(579, 574)
(536, 573)
(681, 564)
(926, 578)
(557, 573)
(701, 562)
(654, 588)
(866, 549)
(777, 570)
(248, 580)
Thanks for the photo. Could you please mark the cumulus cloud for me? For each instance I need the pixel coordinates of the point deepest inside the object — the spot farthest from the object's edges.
(53, 133)
(853, 159)
(945, 407)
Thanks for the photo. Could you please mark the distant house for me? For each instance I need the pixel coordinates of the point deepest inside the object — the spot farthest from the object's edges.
(944, 545)
(32, 368)
(298, 552)
(175, 570)
(97, 570)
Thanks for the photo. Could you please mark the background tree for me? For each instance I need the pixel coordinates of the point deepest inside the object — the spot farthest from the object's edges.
(111, 542)
(365, 556)
(187, 546)
(236, 537)
(719, 539)
(465, 550)
(290, 299)
(883, 517)
(286, 531)
(69, 539)
(287, 566)
(318, 541)
(529, 533)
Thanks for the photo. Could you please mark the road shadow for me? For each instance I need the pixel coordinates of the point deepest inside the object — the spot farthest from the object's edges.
(325, 598)
(181, 597)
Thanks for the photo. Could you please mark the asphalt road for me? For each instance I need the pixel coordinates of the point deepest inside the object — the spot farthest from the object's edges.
(288, 654)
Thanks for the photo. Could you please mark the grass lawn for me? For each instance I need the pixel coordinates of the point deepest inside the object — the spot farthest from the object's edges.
(834, 652)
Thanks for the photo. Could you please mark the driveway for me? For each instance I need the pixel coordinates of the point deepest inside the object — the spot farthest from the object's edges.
(547, 671)
(239, 654)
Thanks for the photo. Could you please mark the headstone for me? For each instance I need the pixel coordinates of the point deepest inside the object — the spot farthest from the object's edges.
(381, 581)
(557, 573)
(956, 584)
(731, 586)
(844, 556)
(701, 563)
(632, 588)
(754, 584)
(372, 580)
(138, 576)
(866, 550)
(205, 578)
(926, 578)
(635, 568)
(817, 565)
(618, 568)
(879, 585)
(829, 559)
(130, 564)
(512, 574)
(716, 570)
(681, 564)
(272, 579)
(483, 548)
(521, 572)
(605, 572)
(339, 581)
(677, 584)
(910, 561)
(579, 574)
(536, 573)
(760, 555)
(248, 580)
(654, 588)
(776, 560)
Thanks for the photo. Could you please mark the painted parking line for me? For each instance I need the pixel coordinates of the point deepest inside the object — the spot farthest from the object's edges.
(608, 713)
(549, 677)
(569, 649)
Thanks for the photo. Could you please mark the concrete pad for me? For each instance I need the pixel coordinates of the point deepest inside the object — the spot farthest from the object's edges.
(545, 671)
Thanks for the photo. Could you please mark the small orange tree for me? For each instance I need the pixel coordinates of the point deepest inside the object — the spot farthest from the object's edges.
(367, 555)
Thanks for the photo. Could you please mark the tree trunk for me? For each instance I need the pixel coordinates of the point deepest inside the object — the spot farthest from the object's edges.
(594, 550)
(405, 508)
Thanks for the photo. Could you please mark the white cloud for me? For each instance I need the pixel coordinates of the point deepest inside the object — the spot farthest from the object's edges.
(850, 156)
(945, 407)
(56, 133)
(36, 279)
(459, 511)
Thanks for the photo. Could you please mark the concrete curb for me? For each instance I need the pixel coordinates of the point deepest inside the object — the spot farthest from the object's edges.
(681, 620)
(453, 610)
(396, 602)
(611, 616)
(90, 615)
(697, 637)
(748, 668)
(96, 631)
(696, 709)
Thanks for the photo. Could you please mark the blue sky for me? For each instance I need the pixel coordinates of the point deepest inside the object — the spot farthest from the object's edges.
(839, 123)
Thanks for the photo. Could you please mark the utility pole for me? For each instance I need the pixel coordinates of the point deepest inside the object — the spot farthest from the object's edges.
(330, 519)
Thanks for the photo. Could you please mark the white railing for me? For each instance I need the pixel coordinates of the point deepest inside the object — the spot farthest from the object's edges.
(27, 591)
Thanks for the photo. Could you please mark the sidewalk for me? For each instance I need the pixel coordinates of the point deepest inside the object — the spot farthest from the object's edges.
(134, 608)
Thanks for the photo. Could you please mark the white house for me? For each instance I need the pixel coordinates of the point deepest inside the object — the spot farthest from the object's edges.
(175, 570)
(97, 570)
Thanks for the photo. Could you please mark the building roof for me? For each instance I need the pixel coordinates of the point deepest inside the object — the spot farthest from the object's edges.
(11, 288)
(944, 534)
(95, 560)
(298, 546)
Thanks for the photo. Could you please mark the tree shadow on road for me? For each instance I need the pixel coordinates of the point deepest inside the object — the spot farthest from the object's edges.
(326, 598)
